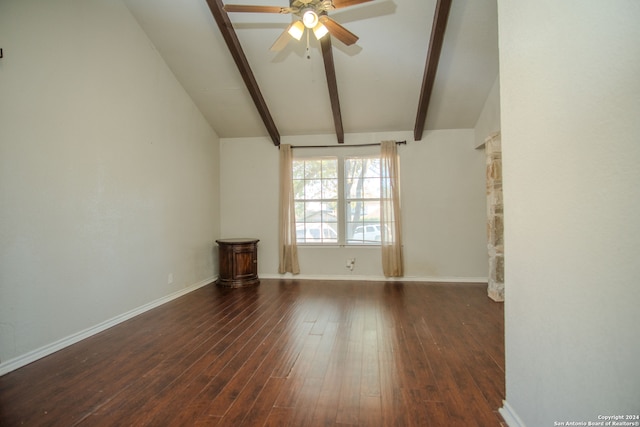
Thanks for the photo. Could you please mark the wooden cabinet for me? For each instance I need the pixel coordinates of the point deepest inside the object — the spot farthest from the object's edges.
(238, 262)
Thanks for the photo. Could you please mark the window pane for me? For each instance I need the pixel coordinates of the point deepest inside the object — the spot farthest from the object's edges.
(298, 189)
(371, 211)
(355, 210)
(363, 211)
(373, 168)
(329, 188)
(312, 212)
(312, 169)
(352, 168)
(330, 212)
(330, 168)
(362, 193)
(362, 178)
(313, 189)
(353, 188)
(363, 233)
(365, 167)
(329, 234)
(299, 207)
(316, 195)
(298, 169)
(351, 230)
(348, 168)
(371, 188)
(313, 233)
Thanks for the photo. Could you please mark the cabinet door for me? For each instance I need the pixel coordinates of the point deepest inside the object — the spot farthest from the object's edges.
(245, 262)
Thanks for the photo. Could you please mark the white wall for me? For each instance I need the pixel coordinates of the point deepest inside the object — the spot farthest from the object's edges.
(108, 173)
(489, 120)
(570, 95)
(443, 197)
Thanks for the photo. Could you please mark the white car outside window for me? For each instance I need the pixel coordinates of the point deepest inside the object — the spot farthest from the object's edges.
(316, 234)
(366, 233)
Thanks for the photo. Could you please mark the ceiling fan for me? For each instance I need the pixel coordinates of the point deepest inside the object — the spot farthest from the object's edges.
(312, 15)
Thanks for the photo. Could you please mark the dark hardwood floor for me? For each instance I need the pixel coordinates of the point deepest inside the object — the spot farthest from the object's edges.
(285, 353)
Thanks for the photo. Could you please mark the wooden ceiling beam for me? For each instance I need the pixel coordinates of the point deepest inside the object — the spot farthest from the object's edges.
(330, 71)
(431, 67)
(230, 37)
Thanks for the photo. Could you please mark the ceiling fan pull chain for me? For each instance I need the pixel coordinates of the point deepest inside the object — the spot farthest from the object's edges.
(308, 53)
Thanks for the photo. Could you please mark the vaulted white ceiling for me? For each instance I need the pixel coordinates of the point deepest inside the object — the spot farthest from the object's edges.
(379, 78)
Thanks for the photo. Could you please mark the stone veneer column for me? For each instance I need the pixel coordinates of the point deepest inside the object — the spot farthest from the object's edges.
(495, 212)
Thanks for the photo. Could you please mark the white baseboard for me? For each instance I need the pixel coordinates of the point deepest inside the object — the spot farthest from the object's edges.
(510, 417)
(32, 356)
(376, 278)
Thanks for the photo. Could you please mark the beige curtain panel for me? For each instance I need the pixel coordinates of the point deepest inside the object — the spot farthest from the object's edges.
(288, 250)
(391, 234)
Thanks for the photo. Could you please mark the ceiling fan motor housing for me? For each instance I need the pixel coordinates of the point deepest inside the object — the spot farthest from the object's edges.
(298, 7)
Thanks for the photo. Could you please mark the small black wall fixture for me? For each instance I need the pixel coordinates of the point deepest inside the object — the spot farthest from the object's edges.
(1, 55)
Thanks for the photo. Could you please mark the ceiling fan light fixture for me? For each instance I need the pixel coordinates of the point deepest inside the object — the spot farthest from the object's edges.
(296, 30)
(310, 18)
(320, 31)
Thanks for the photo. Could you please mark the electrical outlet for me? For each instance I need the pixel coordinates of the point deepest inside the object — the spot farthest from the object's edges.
(351, 263)
(170, 279)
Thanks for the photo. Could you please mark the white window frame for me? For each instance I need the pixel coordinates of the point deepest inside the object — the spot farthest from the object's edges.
(314, 229)
(341, 155)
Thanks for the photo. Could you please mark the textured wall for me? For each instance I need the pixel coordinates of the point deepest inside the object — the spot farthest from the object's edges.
(570, 96)
(108, 173)
(489, 120)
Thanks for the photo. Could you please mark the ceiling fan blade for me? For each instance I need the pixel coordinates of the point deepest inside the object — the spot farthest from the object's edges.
(281, 41)
(337, 4)
(256, 9)
(338, 31)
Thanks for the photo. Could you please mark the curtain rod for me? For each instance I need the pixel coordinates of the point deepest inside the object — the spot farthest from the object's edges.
(343, 145)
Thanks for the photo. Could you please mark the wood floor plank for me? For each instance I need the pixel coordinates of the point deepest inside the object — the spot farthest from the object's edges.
(370, 411)
(285, 353)
(291, 391)
(323, 352)
(265, 353)
(370, 379)
(231, 355)
(147, 403)
(279, 417)
(264, 403)
(259, 391)
(306, 404)
(394, 412)
(349, 396)
(163, 406)
(464, 400)
(291, 347)
(326, 407)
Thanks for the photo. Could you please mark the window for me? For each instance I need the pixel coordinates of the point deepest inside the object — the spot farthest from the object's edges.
(337, 200)
(315, 191)
(362, 199)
